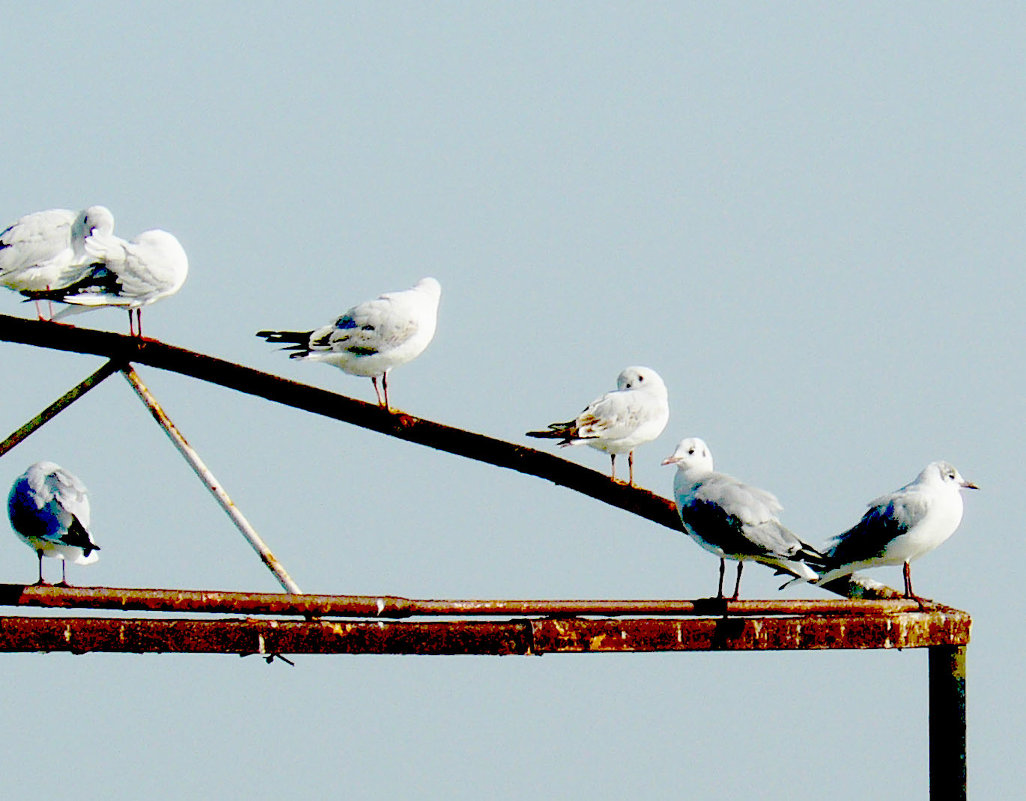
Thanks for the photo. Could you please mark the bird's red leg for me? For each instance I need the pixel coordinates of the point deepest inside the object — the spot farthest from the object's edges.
(384, 387)
(377, 392)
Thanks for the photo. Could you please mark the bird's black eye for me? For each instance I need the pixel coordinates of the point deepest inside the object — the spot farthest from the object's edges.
(641, 378)
(691, 451)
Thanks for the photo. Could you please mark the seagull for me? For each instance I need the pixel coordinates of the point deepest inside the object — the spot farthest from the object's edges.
(634, 413)
(372, 337)
(130, 274)
(901, 526)
(126, 273)
(47, 249)
(49, 511)
(734, 520)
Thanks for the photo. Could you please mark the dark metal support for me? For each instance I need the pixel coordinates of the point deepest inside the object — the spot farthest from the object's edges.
(947, 722)
(59, 405)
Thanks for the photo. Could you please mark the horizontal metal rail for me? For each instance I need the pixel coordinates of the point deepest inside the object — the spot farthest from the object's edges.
(397, 607)
(477, 637)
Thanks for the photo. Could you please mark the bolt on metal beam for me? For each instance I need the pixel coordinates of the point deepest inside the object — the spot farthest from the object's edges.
(210, 482)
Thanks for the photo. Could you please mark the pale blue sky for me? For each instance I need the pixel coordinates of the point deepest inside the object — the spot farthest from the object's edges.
(807, 219)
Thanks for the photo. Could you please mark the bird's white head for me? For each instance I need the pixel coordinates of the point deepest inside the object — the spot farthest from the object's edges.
(93, 220)
(642, 378)
(944, 474)
(692, 455)
(429, 286)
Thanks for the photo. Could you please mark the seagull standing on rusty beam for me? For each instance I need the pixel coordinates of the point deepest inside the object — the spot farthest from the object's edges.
(49, 511)
(373, 337)
(901, 526)
(128, 274)
(634, 413)
(733, 520)
(46, 250)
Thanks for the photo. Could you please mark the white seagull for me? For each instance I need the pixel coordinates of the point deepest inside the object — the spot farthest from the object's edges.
(634, 413)
(127, 274)
(901, 526)
(47, 249)
(372, 338)
(49, 511)
(733, 520)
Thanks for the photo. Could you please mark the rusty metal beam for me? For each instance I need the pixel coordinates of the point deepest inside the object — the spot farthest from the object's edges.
(59, 405)
(125, 349)
(392, 606)
(495, 638)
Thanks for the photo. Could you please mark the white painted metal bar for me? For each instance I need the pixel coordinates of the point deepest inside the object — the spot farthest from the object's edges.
(211, 483)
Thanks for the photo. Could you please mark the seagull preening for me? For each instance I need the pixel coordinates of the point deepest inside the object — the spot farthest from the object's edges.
(49, 511)
(901, 526)
(372, 338)
(47, 250)
(125, 273)
(733, 520)
(634, 413)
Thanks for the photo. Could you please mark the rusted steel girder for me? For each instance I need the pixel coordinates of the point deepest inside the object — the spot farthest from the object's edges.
(390, 606)
(495, 638)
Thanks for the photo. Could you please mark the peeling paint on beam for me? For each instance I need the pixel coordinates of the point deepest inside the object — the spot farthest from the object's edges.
(488, 638)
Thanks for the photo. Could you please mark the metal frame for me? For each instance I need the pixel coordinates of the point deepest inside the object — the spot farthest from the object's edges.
(378, 624)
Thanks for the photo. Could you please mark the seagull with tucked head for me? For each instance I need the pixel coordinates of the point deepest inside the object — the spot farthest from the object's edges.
(617, 422)
(46, 250)
(49, 511)
(734, 520)
(128, 274)
(373, 337)
(901, 526)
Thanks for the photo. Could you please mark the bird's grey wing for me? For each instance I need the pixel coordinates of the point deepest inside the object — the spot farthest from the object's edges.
(141, 270)
(36, 238)
(614, 415)
(372, 327)
(750, 505)
(886, 519)
(69, 494)
(752, 513)
(710, 522)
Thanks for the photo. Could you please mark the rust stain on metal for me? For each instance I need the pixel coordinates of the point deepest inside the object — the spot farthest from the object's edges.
(519, 636)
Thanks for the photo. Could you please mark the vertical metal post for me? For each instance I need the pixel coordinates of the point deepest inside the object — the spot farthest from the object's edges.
(947, 722)
(211, 483)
